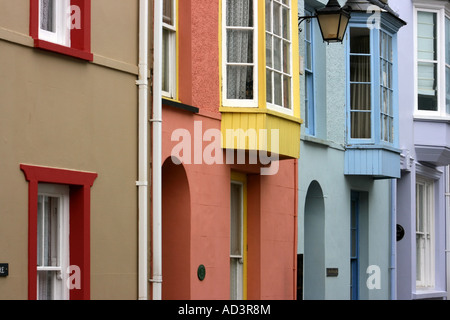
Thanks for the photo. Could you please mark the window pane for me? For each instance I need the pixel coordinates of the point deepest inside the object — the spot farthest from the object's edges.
(46, 285)
(277, 53)
(269, 85)
(307, 101)
(426, 35)
(269, 50)
(239, 82)
(47, 15)
(360, 69)
(361, 125)
(386, 101)
(420, 194)
(166, 61)
(240, 46)
(51, 234)
(287, 92)
(447, 84)
(276, 19)
(286, 24)
(360, 40)
(236, 219)
(286, 57)
(240, 13)
(308, 29)
(360, 97)
(427, 86)
(447, 59)
(240, 49)
(419, 257)
(386, 128)
(447, 42)
(168, 12)
(268, 16)
(308, 53)
(277, 89)
(40, 225)
(353, 244)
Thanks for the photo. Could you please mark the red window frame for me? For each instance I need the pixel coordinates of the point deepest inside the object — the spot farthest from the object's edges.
(80, 38)
(80, 184)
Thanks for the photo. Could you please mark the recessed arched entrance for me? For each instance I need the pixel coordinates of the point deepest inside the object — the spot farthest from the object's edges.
(176, 230)
(314, 255)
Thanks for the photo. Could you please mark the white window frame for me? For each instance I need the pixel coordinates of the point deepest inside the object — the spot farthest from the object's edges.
(60, 290)
(61, 35)
(281, 109)
(245, 103)
(427, 261)
(441, 11)
(172, 53)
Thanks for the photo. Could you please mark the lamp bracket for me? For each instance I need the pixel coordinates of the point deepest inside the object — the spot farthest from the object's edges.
(303, 18)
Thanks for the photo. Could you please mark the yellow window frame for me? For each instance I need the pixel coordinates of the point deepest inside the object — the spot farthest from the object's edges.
(262, 89)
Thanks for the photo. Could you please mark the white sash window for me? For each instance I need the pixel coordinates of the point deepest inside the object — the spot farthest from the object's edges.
(52, 242)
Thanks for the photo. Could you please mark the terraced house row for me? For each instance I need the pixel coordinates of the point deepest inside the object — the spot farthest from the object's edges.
(224, 149)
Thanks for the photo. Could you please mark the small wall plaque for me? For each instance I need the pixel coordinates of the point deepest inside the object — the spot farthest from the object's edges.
(4, 269)
(400, 232)
(201, 272)
(332, 272)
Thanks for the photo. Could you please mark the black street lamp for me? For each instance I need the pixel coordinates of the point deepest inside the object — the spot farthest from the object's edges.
(333, 21)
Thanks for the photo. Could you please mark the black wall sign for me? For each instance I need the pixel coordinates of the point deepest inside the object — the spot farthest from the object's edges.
(4, 269)
(332, 272)
(400, 232)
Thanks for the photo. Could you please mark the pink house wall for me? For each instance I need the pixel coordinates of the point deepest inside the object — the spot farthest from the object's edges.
(271, 199)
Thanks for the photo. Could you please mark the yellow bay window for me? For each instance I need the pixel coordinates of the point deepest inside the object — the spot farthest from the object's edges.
(260, 74)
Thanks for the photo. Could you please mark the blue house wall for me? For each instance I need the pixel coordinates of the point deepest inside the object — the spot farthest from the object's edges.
(326, 189)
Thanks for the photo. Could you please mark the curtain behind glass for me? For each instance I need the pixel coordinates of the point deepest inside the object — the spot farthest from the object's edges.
(47, 15)
(239, 49)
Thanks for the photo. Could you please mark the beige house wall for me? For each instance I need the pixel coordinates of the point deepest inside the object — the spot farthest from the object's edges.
(62, 112)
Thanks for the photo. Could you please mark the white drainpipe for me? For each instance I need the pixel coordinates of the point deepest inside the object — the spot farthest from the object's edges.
(447, 233)
(143, 152)
(393, 241)
(157, 152)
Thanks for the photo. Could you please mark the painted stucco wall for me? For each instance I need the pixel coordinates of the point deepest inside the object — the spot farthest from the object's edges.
(60, 112)
(322, 162)
(406, 248)
(271, 227)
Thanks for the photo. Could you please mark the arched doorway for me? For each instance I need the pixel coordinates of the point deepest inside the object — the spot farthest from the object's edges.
(314, 255)
(176, 232)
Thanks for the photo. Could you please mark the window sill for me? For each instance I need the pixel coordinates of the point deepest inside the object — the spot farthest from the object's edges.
(321, 142)
(53, 47)
(179, 105)
(432, 118)
(373, 146)
(428, 293)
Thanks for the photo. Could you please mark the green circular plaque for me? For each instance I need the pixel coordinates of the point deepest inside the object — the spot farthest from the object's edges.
(201, 272)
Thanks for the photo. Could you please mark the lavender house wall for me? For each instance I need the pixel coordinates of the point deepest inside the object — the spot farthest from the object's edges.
(424, 144)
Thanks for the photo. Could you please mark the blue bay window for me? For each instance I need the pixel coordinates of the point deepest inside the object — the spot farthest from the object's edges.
(372, 98)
